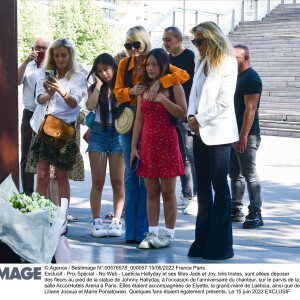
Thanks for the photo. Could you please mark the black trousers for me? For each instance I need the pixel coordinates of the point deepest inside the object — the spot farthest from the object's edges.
(26, 135)
(213, 233)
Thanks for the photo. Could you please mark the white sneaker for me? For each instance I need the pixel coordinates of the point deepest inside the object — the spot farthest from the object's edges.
(145, 244)
(192, 208)
(98, 229)
(115, 229)
(183, 202)
(161, 241)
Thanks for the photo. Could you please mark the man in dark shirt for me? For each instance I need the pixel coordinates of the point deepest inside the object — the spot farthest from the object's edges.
(184, 59)
(243, 153)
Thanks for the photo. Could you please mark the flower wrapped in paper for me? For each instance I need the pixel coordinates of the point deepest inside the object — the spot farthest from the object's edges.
(30, 226)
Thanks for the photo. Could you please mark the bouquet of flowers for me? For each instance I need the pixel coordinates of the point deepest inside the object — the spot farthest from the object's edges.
(30, 226)
(26, 204)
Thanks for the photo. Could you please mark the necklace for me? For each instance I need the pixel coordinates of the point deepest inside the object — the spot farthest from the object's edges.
(137, 66)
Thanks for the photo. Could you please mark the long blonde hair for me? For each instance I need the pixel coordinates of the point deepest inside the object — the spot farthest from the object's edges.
(218, 46)
(139, 34)
(49, 60)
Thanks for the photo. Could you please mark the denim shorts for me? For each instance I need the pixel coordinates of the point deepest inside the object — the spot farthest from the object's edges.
(104, 141)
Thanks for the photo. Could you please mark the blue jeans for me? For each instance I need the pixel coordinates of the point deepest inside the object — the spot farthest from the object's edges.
(213, 234)
(136, 220)
(243, 168)
(188, 180)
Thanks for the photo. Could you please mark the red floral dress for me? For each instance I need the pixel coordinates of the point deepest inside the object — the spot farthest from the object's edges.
(159, 147)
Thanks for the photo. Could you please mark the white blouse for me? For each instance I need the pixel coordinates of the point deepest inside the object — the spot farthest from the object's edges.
(98, 115)
(199, 87)
(76, 87)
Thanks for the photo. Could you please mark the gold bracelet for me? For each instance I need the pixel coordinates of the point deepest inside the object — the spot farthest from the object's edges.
(65, 95)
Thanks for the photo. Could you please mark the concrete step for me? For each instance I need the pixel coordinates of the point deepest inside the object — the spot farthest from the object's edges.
(280, 106)
(288, 114)
(270, 72)
(274, 45)
(280, 124)
(269, 25)
(293, 69)
(275, 77)
(271, 117)
(287, 52)
(279, 85)
(280, 132)
(270, 99)
(272, 19)
(283, 64)
(280, 93)
(275, 59)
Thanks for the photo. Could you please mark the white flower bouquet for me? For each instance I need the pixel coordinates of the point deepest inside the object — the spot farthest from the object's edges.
(26, 204)
(30, 226)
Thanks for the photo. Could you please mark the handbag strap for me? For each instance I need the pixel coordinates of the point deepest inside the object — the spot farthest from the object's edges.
(128, 74)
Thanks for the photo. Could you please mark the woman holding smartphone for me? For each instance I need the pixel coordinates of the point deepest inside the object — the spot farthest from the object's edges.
(62, 94)
(160, 158)
(104, 143)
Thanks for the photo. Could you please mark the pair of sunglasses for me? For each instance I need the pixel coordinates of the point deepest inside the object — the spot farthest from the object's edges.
(198, 42)
(135, 45)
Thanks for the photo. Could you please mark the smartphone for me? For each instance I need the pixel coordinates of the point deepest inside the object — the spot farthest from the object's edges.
(48, 74)
(135, 164)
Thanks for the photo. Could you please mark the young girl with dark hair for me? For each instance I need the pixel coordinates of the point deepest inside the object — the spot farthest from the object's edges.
(160, 158)
(104, 142)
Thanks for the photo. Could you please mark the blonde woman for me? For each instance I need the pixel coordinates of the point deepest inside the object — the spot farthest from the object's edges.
(62, 93)
(211, 117)
(128, 86)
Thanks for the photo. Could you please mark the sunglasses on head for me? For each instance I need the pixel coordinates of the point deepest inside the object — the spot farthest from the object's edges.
(198, 42)
(135, 45)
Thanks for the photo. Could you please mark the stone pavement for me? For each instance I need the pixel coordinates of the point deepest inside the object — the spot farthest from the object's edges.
(277, 242)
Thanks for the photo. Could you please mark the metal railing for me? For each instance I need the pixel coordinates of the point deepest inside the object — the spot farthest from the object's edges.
(240, 11)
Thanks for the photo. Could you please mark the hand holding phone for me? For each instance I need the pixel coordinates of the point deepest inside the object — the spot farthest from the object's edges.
(48, 74)
(134, 164)
(134, 160)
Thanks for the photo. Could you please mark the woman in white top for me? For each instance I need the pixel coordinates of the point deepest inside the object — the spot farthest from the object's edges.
(211, 117)
(62, 93)
(104, 143)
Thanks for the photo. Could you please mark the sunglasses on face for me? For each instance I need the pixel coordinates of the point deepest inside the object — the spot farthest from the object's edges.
(135, 45)
(198, 42)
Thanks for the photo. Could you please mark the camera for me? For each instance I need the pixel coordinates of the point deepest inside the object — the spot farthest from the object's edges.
(49, 73)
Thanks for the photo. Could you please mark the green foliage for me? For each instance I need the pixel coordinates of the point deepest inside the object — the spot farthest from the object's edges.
(30, 27)
(81, 21)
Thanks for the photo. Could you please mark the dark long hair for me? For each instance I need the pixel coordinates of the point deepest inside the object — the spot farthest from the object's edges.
(162, 59)
(108, 60)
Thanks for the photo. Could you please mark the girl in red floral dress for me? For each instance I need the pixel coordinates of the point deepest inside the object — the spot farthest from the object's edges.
(160, 159)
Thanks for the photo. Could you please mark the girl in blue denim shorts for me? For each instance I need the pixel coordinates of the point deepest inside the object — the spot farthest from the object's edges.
(104, 143)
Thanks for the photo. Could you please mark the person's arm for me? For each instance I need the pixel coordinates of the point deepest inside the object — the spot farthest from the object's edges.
(137, 130)
(177, 109)
(21, 70)
(56, 86)
(93, 97)
(177, 76)
(121, 92)
(251, 102)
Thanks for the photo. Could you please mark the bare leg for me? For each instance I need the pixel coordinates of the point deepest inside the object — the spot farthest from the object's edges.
(98, 170)
(117, 169)
(153, 203)
(170, 202)
(62, 178)
(53, 191)
(42, 172)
